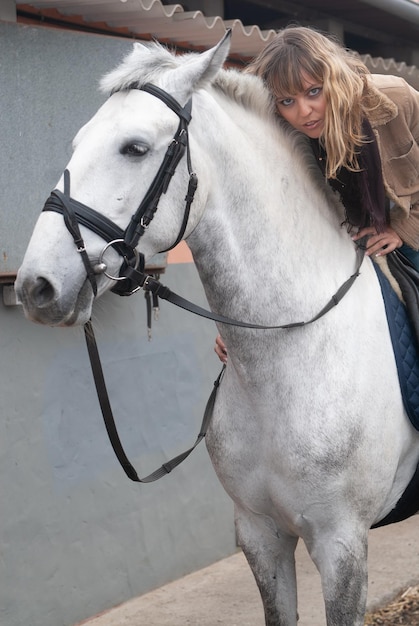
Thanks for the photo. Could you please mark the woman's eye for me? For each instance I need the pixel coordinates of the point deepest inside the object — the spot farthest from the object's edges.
(286, 102)
(315, 91)
(135, 149)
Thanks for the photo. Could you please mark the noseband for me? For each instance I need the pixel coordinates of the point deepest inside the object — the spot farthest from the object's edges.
(125, 241)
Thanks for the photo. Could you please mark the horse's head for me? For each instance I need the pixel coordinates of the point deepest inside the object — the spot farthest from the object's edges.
(112, 171)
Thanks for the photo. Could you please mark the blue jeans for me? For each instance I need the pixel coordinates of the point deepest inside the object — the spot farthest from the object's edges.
(411, 254)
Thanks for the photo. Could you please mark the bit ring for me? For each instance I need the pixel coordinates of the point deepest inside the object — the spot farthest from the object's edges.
(136, 255)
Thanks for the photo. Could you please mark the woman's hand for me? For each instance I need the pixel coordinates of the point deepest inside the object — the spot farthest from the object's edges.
(379, 243)
(220, 349)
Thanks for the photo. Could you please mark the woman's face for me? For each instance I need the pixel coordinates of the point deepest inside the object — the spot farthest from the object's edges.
(306, 110)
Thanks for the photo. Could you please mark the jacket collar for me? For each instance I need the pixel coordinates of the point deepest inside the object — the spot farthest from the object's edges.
(381, 109)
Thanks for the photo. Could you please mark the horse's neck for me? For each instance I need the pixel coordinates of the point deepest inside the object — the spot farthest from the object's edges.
(266, 222)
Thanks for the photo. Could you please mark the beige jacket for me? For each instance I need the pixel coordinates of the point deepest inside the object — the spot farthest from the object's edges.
(395, 122)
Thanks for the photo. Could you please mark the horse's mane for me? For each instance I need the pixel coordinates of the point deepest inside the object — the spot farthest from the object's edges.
(246, 90)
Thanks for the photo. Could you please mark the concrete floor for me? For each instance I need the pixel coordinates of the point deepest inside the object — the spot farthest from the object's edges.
(225, 593)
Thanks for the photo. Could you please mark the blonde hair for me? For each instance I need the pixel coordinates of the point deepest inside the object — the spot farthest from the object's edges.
(296, 50)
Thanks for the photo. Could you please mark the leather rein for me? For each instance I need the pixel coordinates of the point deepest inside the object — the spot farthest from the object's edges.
(132, 277)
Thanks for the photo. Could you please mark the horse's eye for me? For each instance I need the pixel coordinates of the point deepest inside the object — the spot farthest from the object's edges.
(135, 149)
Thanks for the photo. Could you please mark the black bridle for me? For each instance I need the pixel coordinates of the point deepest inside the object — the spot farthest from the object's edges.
(126, 241)
(132, 276)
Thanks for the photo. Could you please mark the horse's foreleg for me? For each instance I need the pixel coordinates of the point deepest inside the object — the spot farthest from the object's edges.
(270, 555)
(342, 563)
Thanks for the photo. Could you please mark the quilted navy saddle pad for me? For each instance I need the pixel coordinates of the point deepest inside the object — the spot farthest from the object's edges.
(407, 360)
(405, 348)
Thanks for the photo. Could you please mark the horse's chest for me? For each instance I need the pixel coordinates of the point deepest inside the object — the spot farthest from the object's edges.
(264, 455)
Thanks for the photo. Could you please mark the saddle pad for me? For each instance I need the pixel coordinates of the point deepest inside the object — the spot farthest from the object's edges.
(405, 348)
(406, 355)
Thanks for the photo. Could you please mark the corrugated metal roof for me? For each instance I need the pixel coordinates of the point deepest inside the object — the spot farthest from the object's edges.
(378, 65)
(167, 23)
(170, 23)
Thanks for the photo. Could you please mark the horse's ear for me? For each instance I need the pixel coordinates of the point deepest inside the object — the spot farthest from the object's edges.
(217, 56)
(201, 69)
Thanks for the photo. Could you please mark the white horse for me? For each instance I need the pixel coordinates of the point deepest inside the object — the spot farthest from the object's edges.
(309, 435)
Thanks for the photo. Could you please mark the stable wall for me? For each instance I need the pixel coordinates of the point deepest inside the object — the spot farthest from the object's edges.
(76, 536)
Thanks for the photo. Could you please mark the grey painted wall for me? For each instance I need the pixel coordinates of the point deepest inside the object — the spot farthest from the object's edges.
(49, 88)
(76, 536)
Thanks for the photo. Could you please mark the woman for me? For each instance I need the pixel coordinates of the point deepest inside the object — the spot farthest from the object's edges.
(364, 131)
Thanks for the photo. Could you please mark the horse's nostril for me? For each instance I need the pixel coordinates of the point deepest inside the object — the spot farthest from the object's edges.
(42, 292)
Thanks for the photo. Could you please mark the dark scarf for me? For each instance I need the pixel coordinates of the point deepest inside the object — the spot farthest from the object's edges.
(362, 192)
